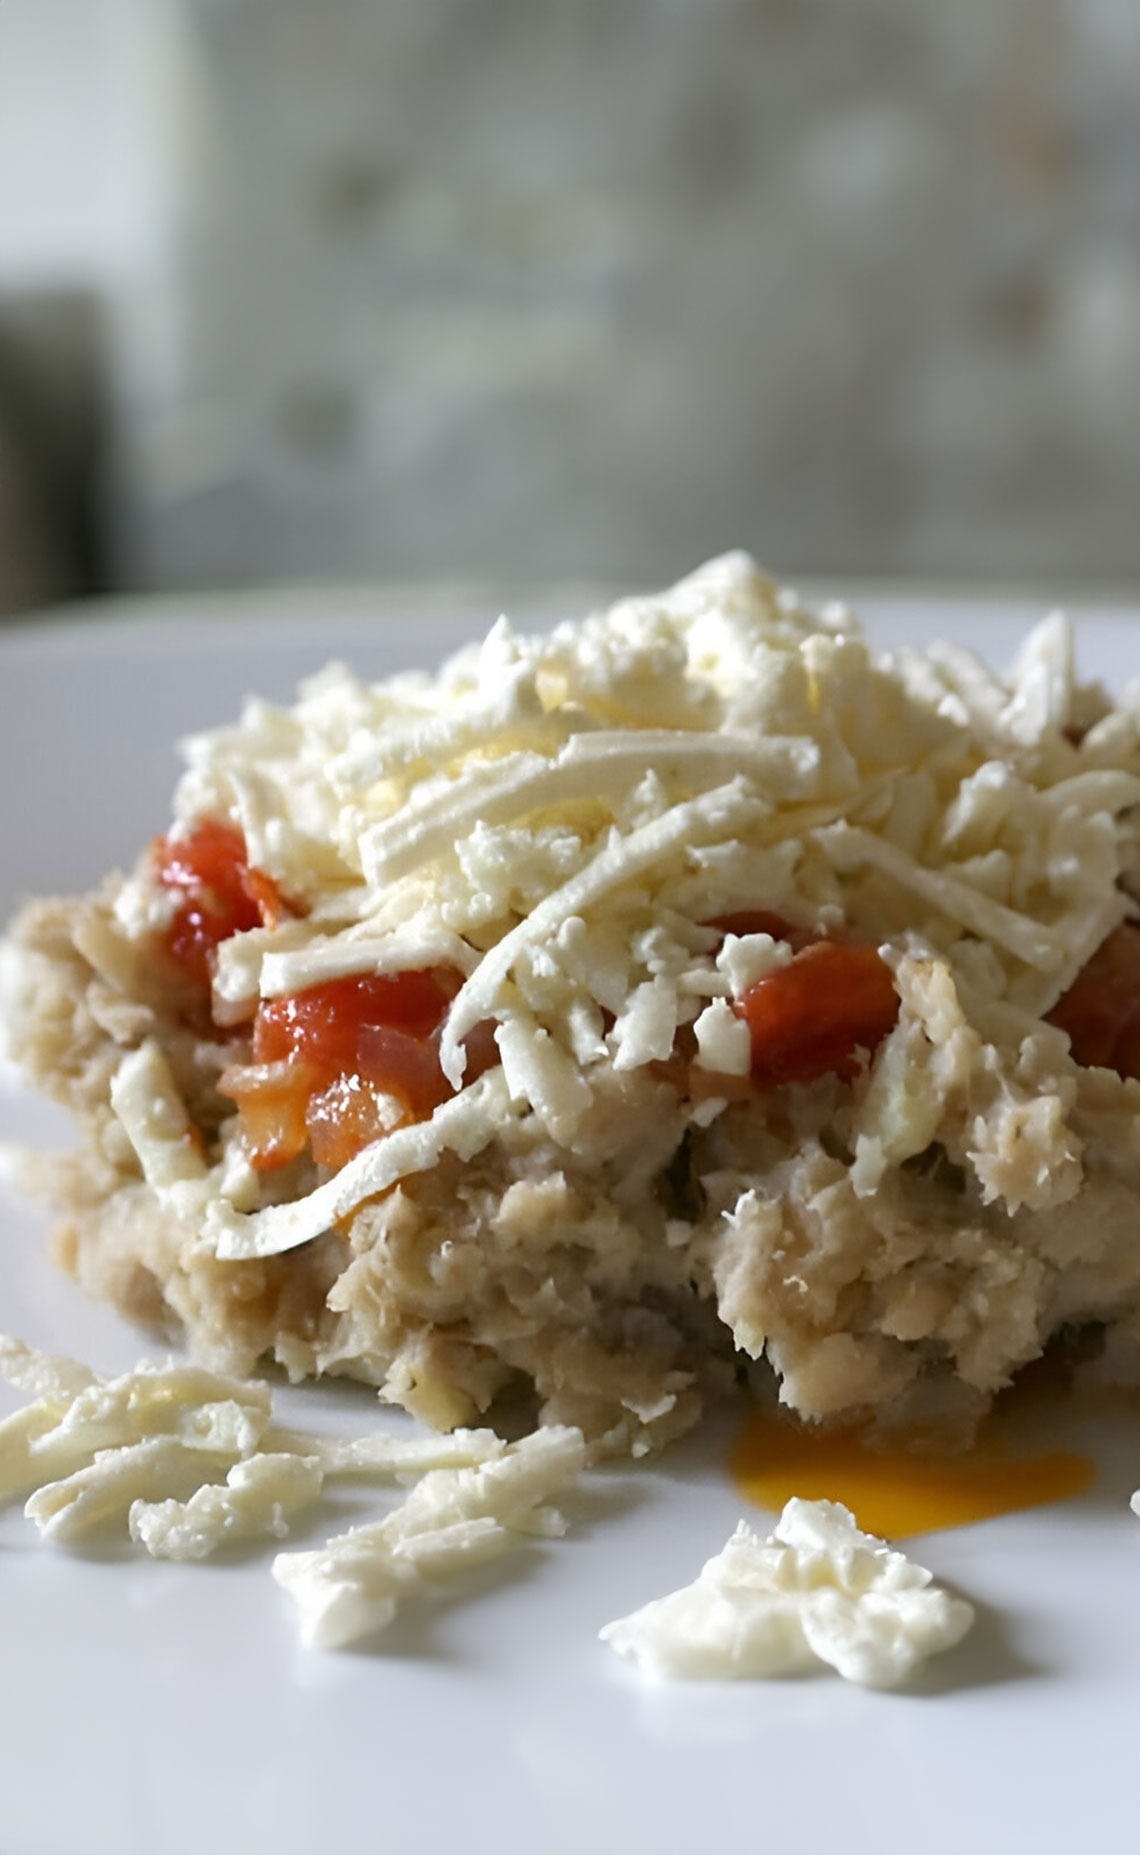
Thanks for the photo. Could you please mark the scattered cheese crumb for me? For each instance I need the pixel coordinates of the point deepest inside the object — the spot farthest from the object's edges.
(153, 1446)
(104, 1491)
(723, 1040)
(79, 1417)
(259, 1497)
(746, 958)
(818, 1590)
(351, 1587)
(391, 1457)
(185, 1455)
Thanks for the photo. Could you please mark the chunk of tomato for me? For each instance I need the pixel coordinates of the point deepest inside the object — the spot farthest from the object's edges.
(272, 1103)
(1100, 1012)
(324, 1058)
(343, 1118)
(815, 1016)
(323, 1024)
(218, 892)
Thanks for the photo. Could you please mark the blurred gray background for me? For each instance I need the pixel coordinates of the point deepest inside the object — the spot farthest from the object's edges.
(344, 290)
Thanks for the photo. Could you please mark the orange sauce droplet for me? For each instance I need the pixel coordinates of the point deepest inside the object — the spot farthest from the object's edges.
(891, 1490)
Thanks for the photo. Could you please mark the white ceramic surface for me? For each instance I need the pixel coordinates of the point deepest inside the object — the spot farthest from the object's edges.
(149, 1709)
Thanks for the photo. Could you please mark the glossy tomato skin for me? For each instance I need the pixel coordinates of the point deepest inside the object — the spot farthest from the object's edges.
(218, 893)
(326, 1058)
(348, 1112)
(272, 1103)
(324, 1023)
(1100, 1012)
(821, 1014)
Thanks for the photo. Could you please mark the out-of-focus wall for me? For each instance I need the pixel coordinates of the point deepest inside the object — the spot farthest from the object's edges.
(76, 244)
(495, 287)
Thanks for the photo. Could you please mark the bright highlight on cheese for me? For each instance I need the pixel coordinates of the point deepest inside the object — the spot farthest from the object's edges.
(817, 1591)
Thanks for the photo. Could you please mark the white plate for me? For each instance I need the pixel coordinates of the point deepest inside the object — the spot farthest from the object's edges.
(166, 1709)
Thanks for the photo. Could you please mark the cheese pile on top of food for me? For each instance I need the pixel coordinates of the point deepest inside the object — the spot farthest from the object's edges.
(687, 987)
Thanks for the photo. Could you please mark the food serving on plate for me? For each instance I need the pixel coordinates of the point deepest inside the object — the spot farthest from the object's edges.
(688, 987)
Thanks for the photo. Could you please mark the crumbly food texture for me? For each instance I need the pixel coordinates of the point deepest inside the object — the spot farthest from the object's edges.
(611, 1218)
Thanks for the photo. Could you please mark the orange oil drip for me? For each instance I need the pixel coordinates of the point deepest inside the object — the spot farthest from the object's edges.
(893, 1491)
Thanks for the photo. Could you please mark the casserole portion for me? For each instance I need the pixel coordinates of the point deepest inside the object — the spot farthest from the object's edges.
(686, 995)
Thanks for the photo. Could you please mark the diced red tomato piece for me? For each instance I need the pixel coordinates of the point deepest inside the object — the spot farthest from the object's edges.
(271, 904)
(482, 1051)
(1100, 1012)
(272, 1102)
(220, 893)
(342, 1119)
(328, 1053)
(322, 1057)
(407, 1067)
(323, 1024)
(815, 1015)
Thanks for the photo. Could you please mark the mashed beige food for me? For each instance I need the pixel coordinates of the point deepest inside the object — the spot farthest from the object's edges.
(687, 992)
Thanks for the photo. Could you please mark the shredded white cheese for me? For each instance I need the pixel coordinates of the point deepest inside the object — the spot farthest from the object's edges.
(47, 1377)
(723, 1041)
(104, 1491)
(383, 1456)
(187, 1457)
(538, 1072)
(559, 819)
(454, 1518)
(76, 1417)
(348, 956)
(716, 813)
(817, 1591)
(153, 1115)
(258, 1499)
(591, 766)
(189, 1462)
